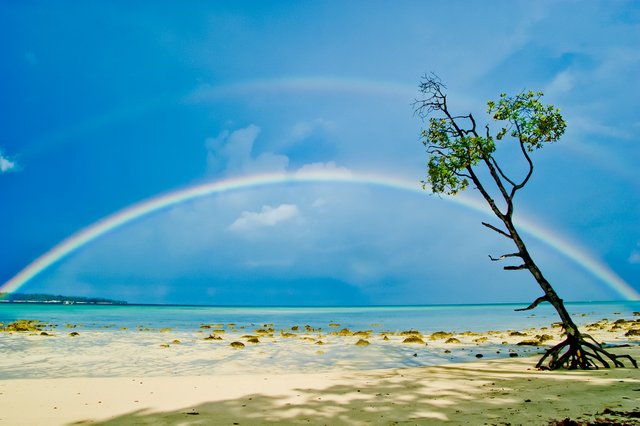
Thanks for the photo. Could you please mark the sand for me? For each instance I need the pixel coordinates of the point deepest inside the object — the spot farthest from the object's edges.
(508, 391)
(487, 391)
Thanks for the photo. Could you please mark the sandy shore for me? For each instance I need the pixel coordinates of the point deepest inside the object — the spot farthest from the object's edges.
(152, 378)
(507, 391)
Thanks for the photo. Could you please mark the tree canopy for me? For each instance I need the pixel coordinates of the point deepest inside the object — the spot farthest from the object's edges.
(456, 145)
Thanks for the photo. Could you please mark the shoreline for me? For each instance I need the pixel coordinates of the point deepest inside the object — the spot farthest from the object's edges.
(507, 391)
(30, 349)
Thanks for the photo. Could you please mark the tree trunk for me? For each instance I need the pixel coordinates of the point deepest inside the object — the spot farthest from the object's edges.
(575, 351)
(550, 294)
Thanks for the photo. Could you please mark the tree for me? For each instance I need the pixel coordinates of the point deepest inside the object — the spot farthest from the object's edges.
(460, 153)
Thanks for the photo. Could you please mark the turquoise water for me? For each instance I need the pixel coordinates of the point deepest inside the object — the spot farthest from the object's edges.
(132, 341)
(424, 318)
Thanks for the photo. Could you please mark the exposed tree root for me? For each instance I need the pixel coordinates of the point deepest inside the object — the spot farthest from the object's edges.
(583, 352)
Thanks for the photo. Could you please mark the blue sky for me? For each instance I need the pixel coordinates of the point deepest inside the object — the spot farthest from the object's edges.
(106, 104)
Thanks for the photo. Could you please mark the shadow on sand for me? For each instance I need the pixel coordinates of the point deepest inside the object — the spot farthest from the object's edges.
(487, 393)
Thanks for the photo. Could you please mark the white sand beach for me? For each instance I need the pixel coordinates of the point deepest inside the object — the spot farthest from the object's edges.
(508, 391)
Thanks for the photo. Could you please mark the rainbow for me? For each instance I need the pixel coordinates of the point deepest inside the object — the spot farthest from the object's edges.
(229, 90)
(136, 211)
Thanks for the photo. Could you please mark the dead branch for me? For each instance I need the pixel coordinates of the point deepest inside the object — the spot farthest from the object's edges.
(499, 231)
(535, 303)
(514, 268)
(504, 256)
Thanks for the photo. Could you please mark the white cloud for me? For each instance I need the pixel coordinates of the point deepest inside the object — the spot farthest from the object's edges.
(231, 154)
(268, 162)
(7, 165)
(268, 216)
(562, 83)
(305, 129)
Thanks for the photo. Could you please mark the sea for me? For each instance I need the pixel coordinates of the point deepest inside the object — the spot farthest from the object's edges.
(427, 318)
(148, 340)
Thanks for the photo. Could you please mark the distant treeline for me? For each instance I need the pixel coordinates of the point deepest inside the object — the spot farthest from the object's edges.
(49, 298)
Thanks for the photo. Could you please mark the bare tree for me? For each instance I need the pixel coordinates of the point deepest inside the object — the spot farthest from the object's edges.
(460, 153)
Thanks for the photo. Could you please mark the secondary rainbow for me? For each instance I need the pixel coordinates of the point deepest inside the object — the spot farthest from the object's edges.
(136, 211)
(212, 93)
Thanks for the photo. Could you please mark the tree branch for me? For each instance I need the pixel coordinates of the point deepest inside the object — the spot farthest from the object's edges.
(486, 195)
(499, 231)
(464, 175)
(500, 185)
(473, 124)
(495, 163)
(515, 268)
(432, 85)
(461, 133)
(446, 153)
(526, 156)
(535, 303)
(505, 177)
(492, 165)
(504, 256)
(438, 151)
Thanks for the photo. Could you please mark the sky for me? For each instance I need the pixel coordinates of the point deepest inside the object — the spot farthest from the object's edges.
(106, 105)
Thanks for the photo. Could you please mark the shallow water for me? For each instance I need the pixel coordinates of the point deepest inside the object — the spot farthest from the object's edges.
(425, 318)
(138, 340)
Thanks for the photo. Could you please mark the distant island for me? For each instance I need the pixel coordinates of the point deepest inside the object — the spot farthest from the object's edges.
(56, 299)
